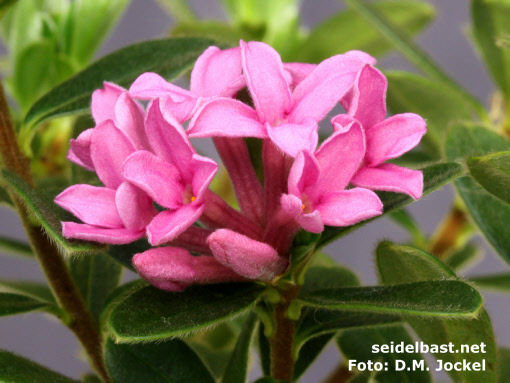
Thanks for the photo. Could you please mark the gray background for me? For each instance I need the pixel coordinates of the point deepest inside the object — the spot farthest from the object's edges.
(44, 340)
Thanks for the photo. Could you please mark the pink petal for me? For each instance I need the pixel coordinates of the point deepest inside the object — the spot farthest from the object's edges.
(205, 78)
(266, 81)
(393, 137)
(86, 232)
(109, 148)
(209, 270)
(247, 257)
(149, 86)
(129, 117)
(343, 122)
(178, 110)
(362, 56)
(304, 173)
(391, 177)
(298, 72)
(134, 206)
(292, 205)
(103, 102)
(168, 139)
(79, 150)
(339, 158)
(91, 204)
(292, 138)
(170, 223)
(318, 93)
(368, 103)
(227, 118)
(167, 268)
(158, 178)
(204, 170)
(311, 222)
(347, 207)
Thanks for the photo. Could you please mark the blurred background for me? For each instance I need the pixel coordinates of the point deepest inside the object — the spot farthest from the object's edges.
(45, 341)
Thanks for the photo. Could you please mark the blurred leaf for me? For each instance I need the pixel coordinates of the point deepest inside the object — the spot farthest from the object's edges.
(463, 258)
(5, 200)
(270, 380)
(89, 24)
(357, 345)
(416, 298)
(489, 212)
(216, 30)
(434, 177)
(497, 282)
(503, 365)
(38, 291)
(264, 351)
(404, 264)
(49, 215)
(14, 368)
(96, 276)
(13, 246)
(5, 5)
(434, 101)
(89, 378)
(11, 304)
(404, 219)
(178, 9)
(238, 367)
(330, 37)
(493, 173)
(490, 23)
(151, 314)
(162, 362)
(168, 57)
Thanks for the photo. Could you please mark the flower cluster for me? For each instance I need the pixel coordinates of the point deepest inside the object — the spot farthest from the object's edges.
(156, 185)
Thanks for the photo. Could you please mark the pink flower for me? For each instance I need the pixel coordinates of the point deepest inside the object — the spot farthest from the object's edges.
(386, 138)
(317, 194)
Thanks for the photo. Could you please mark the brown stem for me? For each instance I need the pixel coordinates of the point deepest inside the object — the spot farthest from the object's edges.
(340, 375)
(52, 263)
(282, 342)
(445, 239)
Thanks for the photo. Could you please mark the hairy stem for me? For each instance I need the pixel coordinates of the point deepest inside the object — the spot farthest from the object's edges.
(282, 342)
(52, 263)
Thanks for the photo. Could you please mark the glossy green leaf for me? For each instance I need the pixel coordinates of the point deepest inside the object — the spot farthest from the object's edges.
(464, 258)
(238, 366)
(404, 219)
(357, 345)
(96, 276)
(49, 215)
(155, 314)
(493, 173)
(39, 291)
(15, 369)
(490, 24)
(162, 362)
(434, 101)
(416, 298)
(329, 37)
(497, 282)
(13, 246)
(434, 177)
(168, 57)
(489, 212)
(11, 304)
(404, 264)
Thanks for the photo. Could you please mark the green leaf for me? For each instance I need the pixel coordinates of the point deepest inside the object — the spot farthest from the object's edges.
(270, 380)
(155, 314)
(168, 57)
(49, 215)
(357, 345)
(5, 5)
(39, 291)
(14, 368)
(322, 277)
(490, 23)
(117, 296)
(11, 304)
(178, 9)
(162, 362)
(417, 298)
(464, 257)
(493, 173)
(434, 177)
(328, 38)
(497, 282)
(124, 253)
(237, 368)
(503, 365)
(404, 264)
(489, 212)
(4, 197)
(309, 353)
(89, 378)
(434, 101)
(13, 246)
(264, 350)
(96, 276)
(216, 30)
(404, 219)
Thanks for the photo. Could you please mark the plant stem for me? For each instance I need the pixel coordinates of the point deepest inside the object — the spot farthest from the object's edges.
(446, 237)
(52, 263)
(282, 342)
